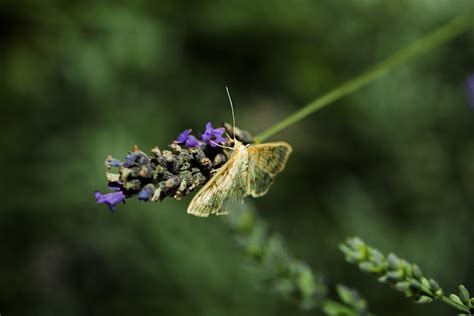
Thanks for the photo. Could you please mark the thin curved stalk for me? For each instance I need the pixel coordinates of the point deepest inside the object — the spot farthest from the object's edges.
(422, 46)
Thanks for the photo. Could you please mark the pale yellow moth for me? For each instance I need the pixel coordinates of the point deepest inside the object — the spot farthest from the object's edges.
(250, 170)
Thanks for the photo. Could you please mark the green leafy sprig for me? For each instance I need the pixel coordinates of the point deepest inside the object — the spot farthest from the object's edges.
(403, 276)
(352, 303)
(284, 274)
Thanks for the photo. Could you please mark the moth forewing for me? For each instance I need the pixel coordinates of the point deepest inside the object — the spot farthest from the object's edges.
(229, 182)
(265, 162)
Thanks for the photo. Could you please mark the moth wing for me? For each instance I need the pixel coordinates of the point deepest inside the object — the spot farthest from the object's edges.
(229, 182)
(265, 162)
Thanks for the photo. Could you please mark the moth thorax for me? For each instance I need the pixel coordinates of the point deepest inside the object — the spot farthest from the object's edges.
(238, 146)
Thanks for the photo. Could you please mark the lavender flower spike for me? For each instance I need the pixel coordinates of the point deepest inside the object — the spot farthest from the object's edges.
(111, 199)
(213, 136)
(187, 139)
(470, 90)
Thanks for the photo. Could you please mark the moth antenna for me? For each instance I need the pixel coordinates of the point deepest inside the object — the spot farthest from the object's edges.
(222, 146)
(228, 136)
(232, 109)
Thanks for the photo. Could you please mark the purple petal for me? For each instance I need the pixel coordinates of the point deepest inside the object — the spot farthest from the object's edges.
(219, 139)
(209, 128)
(111, 199)
(213, 136)
(114, 186)
(130, 159)
(187, 139)
(206, 137)
(112, 162)
(146, 193)
(183, 136)
(219, 130)
(191, 142)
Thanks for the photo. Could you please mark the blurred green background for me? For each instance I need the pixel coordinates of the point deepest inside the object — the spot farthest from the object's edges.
(392, 163)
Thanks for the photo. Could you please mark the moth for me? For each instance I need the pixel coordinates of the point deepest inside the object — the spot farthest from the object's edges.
(250, 171)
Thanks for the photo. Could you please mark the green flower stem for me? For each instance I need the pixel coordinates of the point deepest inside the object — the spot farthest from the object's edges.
(436, 38)
(450, 302)
(457, 306)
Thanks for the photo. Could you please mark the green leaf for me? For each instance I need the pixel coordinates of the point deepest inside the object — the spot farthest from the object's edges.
(456, 299)
(471, 303)
(464, 294)
(336, 309)
(394, 275)
(425, 283)
(415, 285)
(423, 299)
(435, 288)
(351, 256)
(393, 261)
(368, 267)
(402, 286)
(434, 285)
(407, 268)
(417, 271)
(345, 294)
(376, 256)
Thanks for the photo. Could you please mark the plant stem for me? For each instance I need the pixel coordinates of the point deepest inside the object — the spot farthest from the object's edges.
(423, 45)
(450, 302)
(457, 306)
